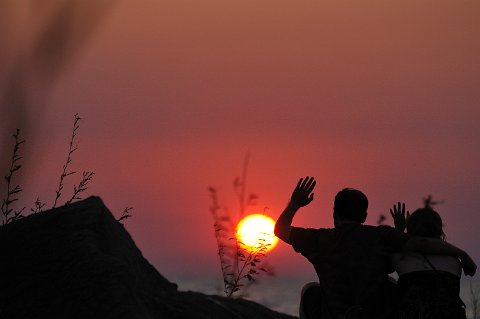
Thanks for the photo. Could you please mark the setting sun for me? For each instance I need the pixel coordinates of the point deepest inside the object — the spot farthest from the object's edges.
(255, 230)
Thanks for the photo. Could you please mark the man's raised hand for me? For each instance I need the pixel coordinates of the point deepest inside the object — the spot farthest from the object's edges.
(302, 195)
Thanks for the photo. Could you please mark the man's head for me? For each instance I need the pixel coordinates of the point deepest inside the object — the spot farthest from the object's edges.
(350, 205)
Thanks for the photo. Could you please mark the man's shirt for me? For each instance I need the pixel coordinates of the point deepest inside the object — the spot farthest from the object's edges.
(352, 263)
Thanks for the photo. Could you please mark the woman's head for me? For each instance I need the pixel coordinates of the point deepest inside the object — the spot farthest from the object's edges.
(425, 222)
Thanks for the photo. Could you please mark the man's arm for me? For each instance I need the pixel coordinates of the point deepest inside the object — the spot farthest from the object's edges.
(301, 196)
(283, 226)
(435, 246)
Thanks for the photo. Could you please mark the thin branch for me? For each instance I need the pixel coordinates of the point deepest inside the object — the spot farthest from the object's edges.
(428, 202)
(71, 149)
(38, 206)
(125, 214)
(82, 186)
(12, 191)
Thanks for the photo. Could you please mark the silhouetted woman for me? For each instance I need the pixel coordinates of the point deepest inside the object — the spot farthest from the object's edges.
(428, 285)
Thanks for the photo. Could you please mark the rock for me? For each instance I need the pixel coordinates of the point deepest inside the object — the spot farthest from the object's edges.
(78, 261)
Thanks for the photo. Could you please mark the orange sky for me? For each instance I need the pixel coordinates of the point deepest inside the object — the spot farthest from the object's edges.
(378, 95)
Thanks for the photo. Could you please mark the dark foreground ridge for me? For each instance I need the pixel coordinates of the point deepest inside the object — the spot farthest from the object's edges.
(78, 261)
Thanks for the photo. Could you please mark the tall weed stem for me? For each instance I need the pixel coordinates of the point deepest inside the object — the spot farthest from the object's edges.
(72, 148)
(9, 214)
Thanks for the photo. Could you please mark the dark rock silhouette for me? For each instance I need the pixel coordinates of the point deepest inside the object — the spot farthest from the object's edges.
(78, 261)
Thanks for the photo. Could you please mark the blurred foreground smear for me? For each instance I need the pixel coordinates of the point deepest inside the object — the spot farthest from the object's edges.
(39, 40)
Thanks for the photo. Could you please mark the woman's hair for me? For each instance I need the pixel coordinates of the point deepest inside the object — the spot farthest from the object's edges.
(425, 222)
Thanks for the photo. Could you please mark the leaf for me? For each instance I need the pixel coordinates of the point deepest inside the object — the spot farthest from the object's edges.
(211, 189)
(236, 182)
(252, 200)
(16, 190)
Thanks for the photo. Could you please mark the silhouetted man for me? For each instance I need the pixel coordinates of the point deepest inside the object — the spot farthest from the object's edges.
(352, 260)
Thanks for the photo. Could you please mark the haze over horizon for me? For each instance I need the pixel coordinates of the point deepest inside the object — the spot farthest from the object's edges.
(378, 96)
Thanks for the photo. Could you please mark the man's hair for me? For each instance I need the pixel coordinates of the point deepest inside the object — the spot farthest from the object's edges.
(350, 204)
(425, 222)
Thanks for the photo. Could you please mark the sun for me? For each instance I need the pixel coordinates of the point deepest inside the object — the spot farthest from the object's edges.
(255, 231)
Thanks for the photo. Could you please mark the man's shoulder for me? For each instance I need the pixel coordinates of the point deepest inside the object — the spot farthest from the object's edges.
(390, 237)
(314, 230)
(386, 235)
(378, 227)
(309, 236)
(381, 229)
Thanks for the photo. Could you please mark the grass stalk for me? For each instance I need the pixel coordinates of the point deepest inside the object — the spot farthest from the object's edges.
(73, 146)
(9, 214)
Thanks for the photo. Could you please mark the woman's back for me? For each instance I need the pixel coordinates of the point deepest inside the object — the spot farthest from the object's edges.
(427, 292)
(428, 286)
(411, 262)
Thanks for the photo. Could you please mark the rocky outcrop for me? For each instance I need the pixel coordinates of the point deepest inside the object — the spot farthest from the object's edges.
(78, 261)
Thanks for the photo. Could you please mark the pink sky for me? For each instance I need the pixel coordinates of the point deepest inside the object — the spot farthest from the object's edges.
(381, 96)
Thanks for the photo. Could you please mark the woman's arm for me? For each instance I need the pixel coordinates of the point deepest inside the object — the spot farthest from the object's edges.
(434, 246)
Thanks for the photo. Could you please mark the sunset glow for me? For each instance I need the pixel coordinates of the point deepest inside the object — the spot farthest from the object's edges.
(381, 96)
(255, 230)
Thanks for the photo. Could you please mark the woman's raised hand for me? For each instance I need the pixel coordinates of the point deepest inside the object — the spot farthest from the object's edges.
(399, 217)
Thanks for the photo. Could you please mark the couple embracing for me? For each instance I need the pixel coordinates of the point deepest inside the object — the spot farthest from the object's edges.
(353, 262)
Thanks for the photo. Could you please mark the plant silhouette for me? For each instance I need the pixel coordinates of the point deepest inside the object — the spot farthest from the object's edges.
(240, 265)
(12, 194)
